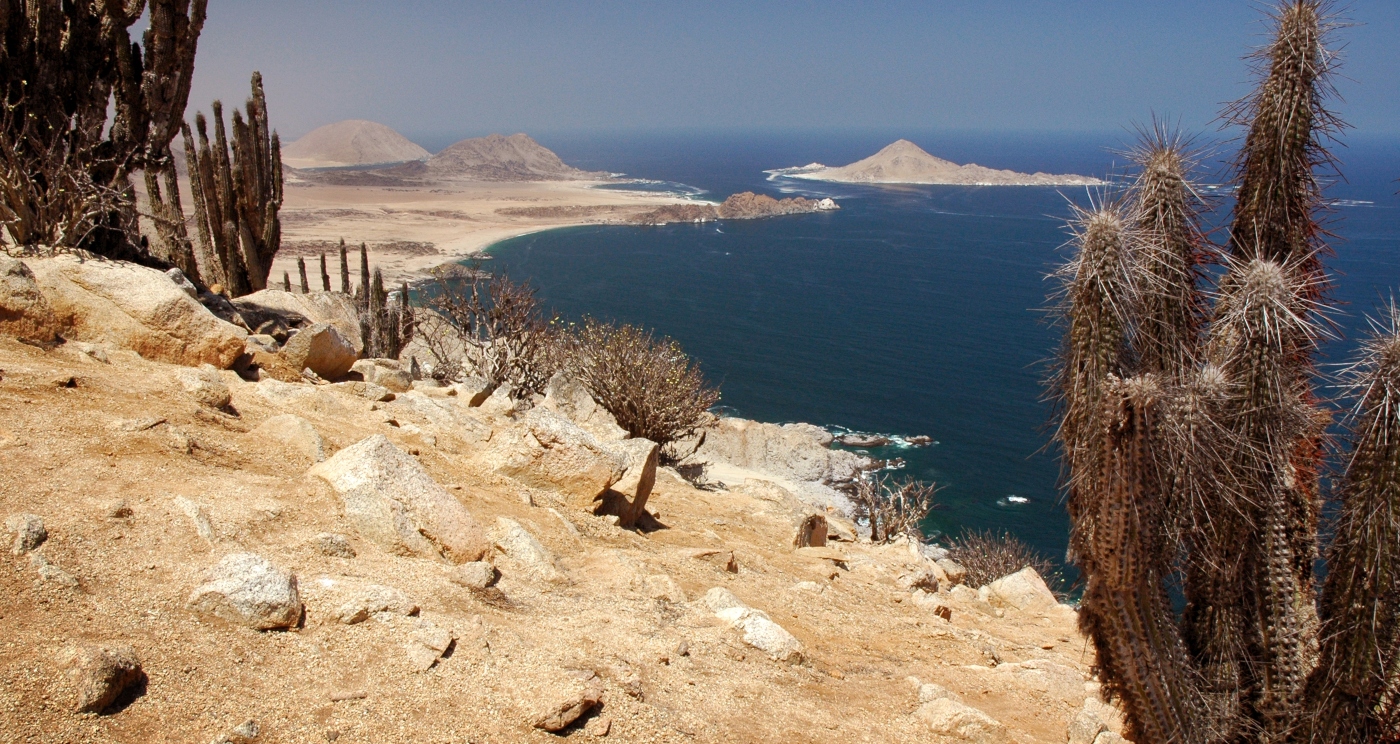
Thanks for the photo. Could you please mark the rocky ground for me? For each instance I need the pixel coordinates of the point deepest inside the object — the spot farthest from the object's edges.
(195, 556)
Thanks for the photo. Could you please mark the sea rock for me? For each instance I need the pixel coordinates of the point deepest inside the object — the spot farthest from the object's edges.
(392, 501)
(569, 398)
(524, 550)
(23, 309)
(136, 308)
(246, 589)
(640, 456)
(384, 372)
(476, 575)
(28, 531)
(205, 385)
(548, 451)
(100, 674)
(951, 718)
(320, 348)
(863, 440)
(666, 214)
(1023, 590)
(296, 434)
(297, 310)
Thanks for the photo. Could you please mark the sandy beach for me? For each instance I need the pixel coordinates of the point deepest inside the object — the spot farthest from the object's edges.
(411, 229)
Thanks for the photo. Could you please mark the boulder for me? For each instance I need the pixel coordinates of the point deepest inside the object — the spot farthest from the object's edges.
(28, 531)
(100, 674)
(793, 451)
(366, 390)
(1087, 725)
(205, 385)
(427, 645)
(953, 570)
(569, 398)
(134, 307)
(296, 434)
(320, 348)
(296, 310)
(387, 373)
(811, 533)
(720, 599)
(548, 451)
(578, 695)
(23, 309)
(356, 602)
(476, 575)
(762, 633)
(1023, 590)
(392, 501)
(246, 589)
(524, 550)
(948, 717)
(633, 489)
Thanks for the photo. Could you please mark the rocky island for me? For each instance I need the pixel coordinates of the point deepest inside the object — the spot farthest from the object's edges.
(905, 162)
(745, 205)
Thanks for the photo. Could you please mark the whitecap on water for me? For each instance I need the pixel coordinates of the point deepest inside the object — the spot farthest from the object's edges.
(1012, 500)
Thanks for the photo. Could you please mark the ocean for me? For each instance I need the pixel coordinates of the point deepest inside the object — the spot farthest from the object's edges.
(914, 310)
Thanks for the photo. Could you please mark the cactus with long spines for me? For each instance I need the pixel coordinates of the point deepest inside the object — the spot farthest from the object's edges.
(237, 185)
(1193, 444)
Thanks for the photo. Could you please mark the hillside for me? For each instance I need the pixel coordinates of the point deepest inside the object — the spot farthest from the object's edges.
(499, 158)
(905, 162)
(350, 142)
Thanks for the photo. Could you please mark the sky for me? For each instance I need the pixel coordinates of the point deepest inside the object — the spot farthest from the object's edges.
(449, 68)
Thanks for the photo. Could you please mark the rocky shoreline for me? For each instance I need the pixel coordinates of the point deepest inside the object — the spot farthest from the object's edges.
(742, 206)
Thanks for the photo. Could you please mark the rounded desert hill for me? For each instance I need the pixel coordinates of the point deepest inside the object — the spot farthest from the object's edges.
(351, 142)
(499, 158)
(905, 162)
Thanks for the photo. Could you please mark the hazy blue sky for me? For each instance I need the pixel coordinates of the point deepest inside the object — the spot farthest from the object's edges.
(432, 68)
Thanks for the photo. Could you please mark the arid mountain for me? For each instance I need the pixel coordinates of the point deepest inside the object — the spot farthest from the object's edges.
(350, 142)
(905, 162)
(498, 158)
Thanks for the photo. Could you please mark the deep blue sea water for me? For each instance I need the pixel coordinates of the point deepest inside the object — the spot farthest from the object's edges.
(912, 310)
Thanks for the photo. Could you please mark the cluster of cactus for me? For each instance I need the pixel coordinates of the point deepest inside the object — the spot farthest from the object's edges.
(1193, 442)
(237, 195)
(64, 167)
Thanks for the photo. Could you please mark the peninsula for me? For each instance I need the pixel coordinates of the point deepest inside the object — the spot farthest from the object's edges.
(905, 162)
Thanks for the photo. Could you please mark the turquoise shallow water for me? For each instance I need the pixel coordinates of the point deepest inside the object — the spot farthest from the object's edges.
(912, 310)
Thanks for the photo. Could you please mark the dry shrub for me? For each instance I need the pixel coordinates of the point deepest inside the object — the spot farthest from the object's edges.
(989, 555)
(893, 508)
(649, 384)
(490, 327)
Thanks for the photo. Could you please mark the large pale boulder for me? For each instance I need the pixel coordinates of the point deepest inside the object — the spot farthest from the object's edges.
(100, 674)
(134, 307)
(797, 452)
(545, 450)
(569, 398)
(23, 309)
(517, 544)
(387, 373)
(392, 501)
(948, 717)
(762, 633)
(320, 348)
(296, 310)
(246, 589)
(633, 489)
(1023, 590)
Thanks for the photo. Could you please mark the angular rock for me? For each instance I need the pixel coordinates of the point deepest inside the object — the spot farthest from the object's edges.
(243, 733)
(392, 501)
(762, 633)
(366, 390)
(811, 533)
(948, 717)
(199, 518)
(134, 307)
(476, 575)
(794, 451)
(953, 570)
(100, 674)
(333, 545)
(427, 645)
(50, 573)
(297, 310)
(1023, 590)
(320, 348)
(246, 589)
(474, 391)
(1108, 737)
(185, 285)
(28, 531)
(295, 434)
(205, 385)
(263, 343)
(1086, 726)
(634, 488)
(548, 451)
(360, 601)
(930, 692)
(387, 373)
(569, 704)
(23, 309)
(720, 599)
(521, 547)
(569, 398)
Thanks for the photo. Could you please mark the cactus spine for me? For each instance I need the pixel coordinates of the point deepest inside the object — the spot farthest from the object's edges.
(1193, 444)
(238, 194)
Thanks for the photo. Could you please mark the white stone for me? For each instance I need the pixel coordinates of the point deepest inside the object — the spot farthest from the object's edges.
(1024, 591)
(951, 718)
(524, 550)
(205, 385)
(320, 348)
(247, 589)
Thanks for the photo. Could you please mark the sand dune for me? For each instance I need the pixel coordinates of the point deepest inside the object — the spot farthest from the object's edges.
(498, 158)
(350, 142)
(905, 162)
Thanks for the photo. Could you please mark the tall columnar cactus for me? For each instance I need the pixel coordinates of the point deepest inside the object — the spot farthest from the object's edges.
(1193, 445)
(237, 195)
(386, 322)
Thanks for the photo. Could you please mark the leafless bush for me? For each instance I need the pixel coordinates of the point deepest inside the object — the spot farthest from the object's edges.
(893, 508)
(649, 384)
(491, 327)
(989, 555)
